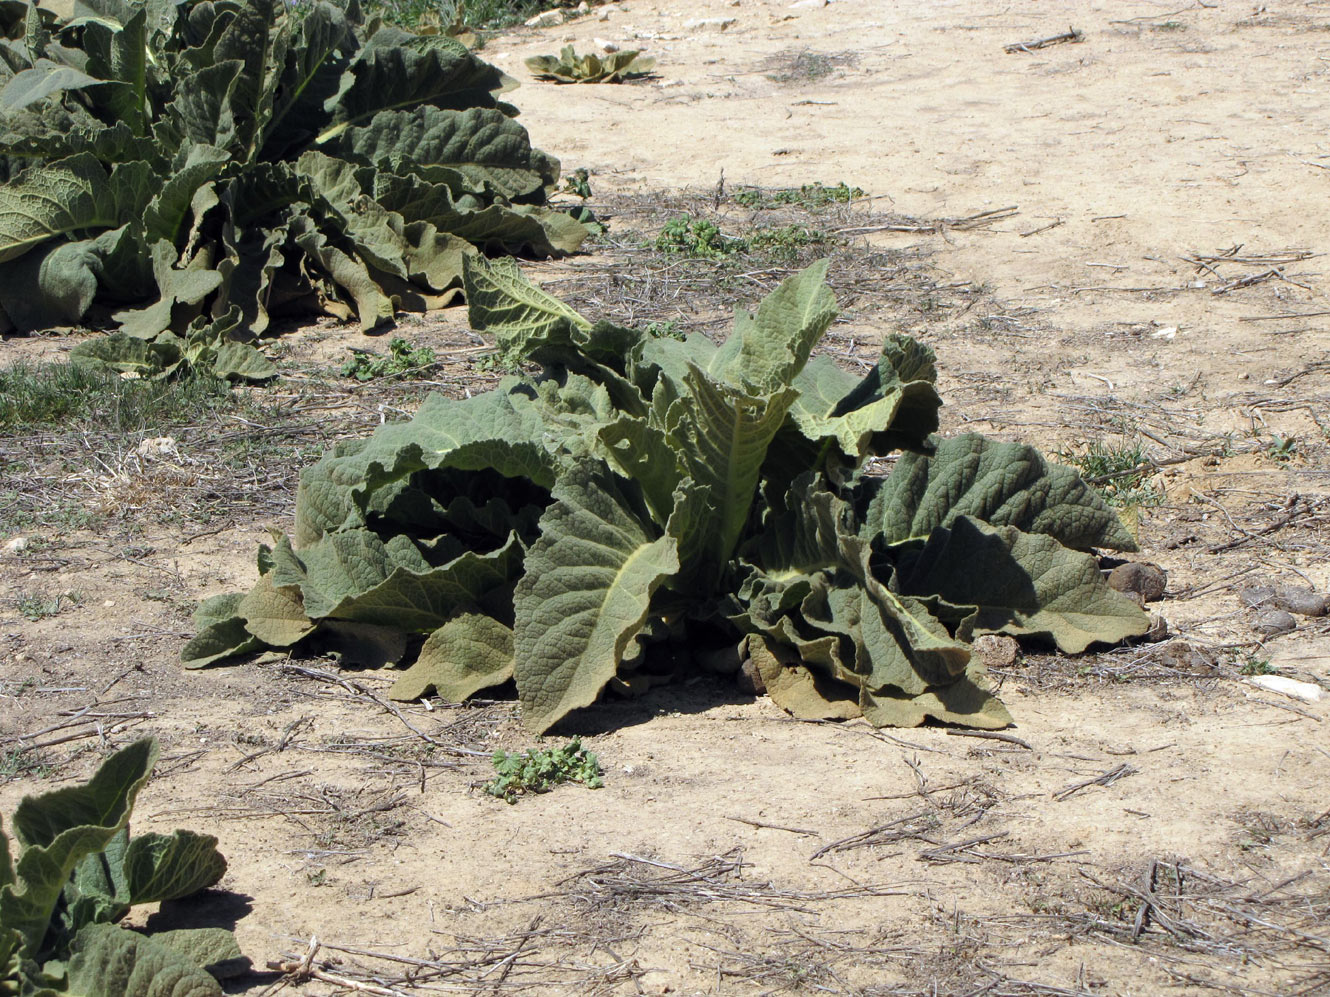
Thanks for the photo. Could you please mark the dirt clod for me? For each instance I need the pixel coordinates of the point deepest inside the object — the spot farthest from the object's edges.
(1139, 578)
(995, 651)
(1272, 622)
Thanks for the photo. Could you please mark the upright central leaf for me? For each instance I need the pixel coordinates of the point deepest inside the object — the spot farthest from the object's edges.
(586, 592)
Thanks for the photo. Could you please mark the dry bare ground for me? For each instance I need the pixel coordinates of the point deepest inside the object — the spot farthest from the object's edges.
(1114, 239)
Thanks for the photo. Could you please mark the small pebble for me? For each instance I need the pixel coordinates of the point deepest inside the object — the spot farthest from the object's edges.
(1140, 577)
(1158, 629)
(1300, 599)
(1183, 657)
(1272, 622)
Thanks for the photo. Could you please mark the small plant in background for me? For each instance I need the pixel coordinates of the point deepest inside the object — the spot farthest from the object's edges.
(1282, 448)
(402, 358)
(539, 771)
(810, 196)
(697, 237)
(669, 329)
(569, 67)
(784, 242)
(1119, 472)
(1252, 665)
(578, 182)
(36, 606)
(498, 361)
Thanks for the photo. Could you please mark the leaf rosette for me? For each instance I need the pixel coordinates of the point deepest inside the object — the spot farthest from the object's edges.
(185, 170)
(644, 504)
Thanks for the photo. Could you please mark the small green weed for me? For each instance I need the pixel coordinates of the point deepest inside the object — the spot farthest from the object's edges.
(23, 763)
(498, 362)
(538, 771)
(36, 606)
(784, 243)
(810, 196)
(697, 237)
(669, 329)
(402, 358)
(578, 182)
(804, 67)
(1257, 666)
(1119, 472)
(418, 14)
(700, 238)
(1282, 448)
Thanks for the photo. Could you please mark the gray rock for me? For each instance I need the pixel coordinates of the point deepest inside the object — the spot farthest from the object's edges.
(1158, 629)
(1300, 599)
(1139, 578)
(1272, 622)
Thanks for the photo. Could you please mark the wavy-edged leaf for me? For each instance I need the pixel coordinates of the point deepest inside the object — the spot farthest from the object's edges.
(108, 961)
(470, 652)
(274, 614)
(49, 202)
(801, 692)
(58, 829)
(161, 867)
(1003, 484)
(965, 702)
(1030, 585)
(586, 592)
(44, 79)
(212, 949)
(482, 148)
(51, 286)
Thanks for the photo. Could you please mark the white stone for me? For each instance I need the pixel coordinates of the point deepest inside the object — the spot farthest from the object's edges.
(17, 546)
(606, 46)
(1305, 691)
(545, 19)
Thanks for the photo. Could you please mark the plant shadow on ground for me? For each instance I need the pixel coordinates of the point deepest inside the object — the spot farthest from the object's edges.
(614, 712)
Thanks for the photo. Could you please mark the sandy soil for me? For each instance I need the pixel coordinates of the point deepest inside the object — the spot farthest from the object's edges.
(1160, 277)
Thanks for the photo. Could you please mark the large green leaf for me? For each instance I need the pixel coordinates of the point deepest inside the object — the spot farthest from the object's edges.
(586, 593)
(1030, 585)
(108, 961)
(48, 202)
(468, 653)
(482, 148)
(41, 81)
(51, 286)
(58, 829)
(1004, 484)
(161, 867)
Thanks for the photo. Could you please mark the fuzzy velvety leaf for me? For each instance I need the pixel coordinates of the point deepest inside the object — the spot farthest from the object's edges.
(311, 76)
(274, 614)
(586, 592)
(487, 150)
(58, 829)
(864, 416)
(161, 867)
(218, 641)
(806, 694)
(501, 300)
(1030, 585)
(169, 211)
(504, 429)
(212, 949)
(352, 575)
(41, 81)
(47, 202)
(419, 71)
(52, 285)
(965, 702)
(1004, 484)
(768, 348)
(109, 961)
(468, 653)
(242, 362)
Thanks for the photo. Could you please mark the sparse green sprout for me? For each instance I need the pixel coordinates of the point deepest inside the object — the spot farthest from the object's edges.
(669, 329)
(36, 606)
(539, 771)
(1253, 665)
(402, 358)
(578, 182)
(1282, 448)
(810, 196)
(1119, 472)
(697, 237)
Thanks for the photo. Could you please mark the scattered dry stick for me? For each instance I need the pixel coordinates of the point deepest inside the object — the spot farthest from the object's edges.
(1070, 35)
(1106, 779)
